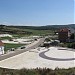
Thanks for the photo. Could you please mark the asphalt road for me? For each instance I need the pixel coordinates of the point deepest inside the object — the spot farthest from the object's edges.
(16, 52)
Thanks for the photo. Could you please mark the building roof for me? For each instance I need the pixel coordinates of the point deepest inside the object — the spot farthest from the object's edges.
(64, 30)
(1, 43)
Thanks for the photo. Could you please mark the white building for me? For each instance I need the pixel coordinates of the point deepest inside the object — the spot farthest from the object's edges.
(5, 35)
(1, 47)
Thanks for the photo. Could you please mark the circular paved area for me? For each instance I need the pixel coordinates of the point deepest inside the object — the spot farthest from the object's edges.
(42, 58)
(58, 54)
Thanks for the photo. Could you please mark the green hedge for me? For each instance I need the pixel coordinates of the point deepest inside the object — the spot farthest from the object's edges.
(44, 71)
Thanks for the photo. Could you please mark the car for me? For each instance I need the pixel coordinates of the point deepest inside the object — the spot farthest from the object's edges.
(35, 39)
(12, 49)
(23, 47)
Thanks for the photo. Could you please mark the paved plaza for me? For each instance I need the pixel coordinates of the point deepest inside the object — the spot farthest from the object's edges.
(42, 57)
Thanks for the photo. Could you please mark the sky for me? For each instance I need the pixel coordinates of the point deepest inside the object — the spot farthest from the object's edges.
(36, 12)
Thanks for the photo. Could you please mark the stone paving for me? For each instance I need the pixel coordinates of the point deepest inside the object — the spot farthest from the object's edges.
(54, 57)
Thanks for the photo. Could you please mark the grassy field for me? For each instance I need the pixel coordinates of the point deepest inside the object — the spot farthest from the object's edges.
(40, 32)
(9, 46)
(20, 35)
(26, 31)
(3, 38)
(34, 32)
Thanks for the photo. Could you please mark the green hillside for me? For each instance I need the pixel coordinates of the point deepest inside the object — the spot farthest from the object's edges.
(32, 30)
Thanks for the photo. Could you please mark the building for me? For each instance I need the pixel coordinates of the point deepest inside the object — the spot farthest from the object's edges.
(1, 47)
(64, 34)
(5, 35)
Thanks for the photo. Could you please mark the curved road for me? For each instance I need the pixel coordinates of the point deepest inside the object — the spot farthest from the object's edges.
(42, 54)
(16, 52)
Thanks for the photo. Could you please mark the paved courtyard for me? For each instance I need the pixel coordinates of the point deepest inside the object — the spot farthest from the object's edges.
(41, 57)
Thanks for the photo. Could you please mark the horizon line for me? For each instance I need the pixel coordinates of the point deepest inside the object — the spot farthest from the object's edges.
(35, 25)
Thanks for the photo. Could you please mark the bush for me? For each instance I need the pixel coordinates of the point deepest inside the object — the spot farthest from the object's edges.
(71, 45)
(38, 71)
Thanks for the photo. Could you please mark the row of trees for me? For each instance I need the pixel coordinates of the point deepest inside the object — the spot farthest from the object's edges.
(6, 29)
(72, 36)
(71, 45)
(44, 71)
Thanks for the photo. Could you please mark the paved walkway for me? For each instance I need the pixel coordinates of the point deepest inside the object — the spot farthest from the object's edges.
(42, 54)
(31, 59)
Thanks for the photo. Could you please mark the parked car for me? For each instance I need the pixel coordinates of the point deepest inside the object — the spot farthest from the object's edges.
(23, 47)
(12, 49)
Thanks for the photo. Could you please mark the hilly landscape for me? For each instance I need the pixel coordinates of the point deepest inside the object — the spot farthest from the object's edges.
(33, 30)
(46, 27)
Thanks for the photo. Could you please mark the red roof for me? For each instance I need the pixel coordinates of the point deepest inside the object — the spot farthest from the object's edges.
(1, 43)
(64, 30)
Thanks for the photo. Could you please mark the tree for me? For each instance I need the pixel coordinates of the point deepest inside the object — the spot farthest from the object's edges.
(72, 36)
(2, 26)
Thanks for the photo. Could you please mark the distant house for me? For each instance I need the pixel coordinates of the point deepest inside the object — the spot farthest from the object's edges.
(64, 34)
(51, 43)
(1, 47)
(5, 35)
